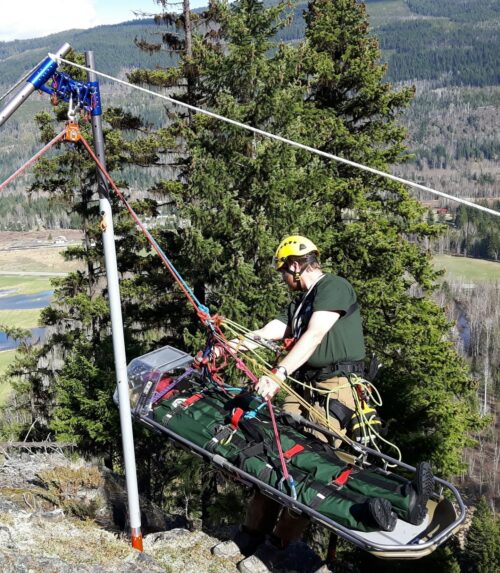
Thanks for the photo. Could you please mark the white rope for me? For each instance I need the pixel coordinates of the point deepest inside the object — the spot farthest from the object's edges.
(282, 139)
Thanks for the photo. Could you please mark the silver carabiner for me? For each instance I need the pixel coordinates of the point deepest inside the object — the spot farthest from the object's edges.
(71, 109)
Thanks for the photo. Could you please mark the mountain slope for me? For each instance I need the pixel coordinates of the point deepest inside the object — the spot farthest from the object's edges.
(454, 41)
(113, 46)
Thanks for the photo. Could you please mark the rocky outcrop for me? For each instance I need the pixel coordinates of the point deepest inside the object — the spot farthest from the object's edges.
(62, 516)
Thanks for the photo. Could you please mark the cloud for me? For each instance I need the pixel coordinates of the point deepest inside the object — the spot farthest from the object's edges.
(21, 19)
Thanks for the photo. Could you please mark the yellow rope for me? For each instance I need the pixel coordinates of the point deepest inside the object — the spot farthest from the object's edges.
(368, 431)
(260, 365)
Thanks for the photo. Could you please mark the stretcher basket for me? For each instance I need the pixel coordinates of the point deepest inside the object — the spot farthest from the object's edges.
(446, 510)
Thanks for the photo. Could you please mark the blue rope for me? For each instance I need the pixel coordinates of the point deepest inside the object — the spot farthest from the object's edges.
(201, 306)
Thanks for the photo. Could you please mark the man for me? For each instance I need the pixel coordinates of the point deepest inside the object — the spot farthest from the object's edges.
(324, 326)
(324, 323)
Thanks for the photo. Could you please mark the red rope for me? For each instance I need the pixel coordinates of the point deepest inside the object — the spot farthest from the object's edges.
(203, 316)
(138, 221)
(240, 364)
(277, 439)
(35, 157)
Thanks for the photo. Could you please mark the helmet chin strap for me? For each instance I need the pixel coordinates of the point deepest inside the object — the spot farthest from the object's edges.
(297, 274)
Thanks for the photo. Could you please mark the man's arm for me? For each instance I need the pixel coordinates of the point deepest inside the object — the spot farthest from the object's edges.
(320, 323)
(273, 330)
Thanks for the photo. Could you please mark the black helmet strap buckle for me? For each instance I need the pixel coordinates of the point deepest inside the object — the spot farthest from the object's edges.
(296, 274)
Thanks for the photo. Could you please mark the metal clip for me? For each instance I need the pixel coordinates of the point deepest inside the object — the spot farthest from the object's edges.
(71, 110)
(291, 482)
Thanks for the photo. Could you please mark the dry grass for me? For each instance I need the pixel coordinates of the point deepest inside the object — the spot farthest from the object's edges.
(75, 542)
(45, 259)
(67, 481)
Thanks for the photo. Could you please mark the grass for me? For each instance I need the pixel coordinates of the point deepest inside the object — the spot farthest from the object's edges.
(46, 259)
(26, 318)
(24, 285)
(463, 268)
(6, 357)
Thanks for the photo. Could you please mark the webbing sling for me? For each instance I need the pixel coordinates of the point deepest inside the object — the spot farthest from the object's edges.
(342, 478)
(183, 404)
(325, 491)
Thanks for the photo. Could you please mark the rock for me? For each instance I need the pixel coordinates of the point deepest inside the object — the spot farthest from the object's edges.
(42, 501)
(226, 549)
(144, 562)
(166, 536)
(50, 516)
(6, 539)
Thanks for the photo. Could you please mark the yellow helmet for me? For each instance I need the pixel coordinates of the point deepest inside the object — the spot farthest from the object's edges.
(293, 246)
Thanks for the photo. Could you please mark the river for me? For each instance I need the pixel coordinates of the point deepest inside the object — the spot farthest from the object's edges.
(23, 302)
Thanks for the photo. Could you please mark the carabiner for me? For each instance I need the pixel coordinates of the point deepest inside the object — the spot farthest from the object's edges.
(71, 110)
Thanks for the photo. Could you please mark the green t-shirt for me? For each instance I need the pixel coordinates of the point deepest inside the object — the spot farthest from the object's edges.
(344, 342)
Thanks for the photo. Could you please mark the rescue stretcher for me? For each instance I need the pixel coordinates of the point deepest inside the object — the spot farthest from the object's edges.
(446, 510)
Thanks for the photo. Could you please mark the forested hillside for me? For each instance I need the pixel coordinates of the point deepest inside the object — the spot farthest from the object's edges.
(449, 49)
(234, 195)
(455, 42)
(114, 44)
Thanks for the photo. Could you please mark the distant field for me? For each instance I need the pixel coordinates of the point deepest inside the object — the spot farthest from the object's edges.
(47, 260)
(6, 358)
(20, 318)
(468, 269)
(24, 285)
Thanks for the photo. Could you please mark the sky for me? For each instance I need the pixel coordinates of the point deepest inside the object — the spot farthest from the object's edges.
(22, 19)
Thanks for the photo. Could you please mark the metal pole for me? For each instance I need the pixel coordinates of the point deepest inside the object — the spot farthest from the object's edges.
(36, 80)
(108, 237)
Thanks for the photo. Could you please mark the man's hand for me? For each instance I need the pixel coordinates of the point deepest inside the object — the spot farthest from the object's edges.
(267, 387)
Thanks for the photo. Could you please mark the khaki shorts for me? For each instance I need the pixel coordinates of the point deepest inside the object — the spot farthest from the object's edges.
(337, 388)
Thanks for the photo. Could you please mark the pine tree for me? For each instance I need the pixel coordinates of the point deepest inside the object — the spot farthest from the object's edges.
(482, 546)
(241, 193)
(369, 222)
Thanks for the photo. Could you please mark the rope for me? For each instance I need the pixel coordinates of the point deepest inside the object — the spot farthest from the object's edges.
(283, 139)
(323, 419)
(260, 364)
(33, 159)
(200, 308)
(188, 292)
(368, 430)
